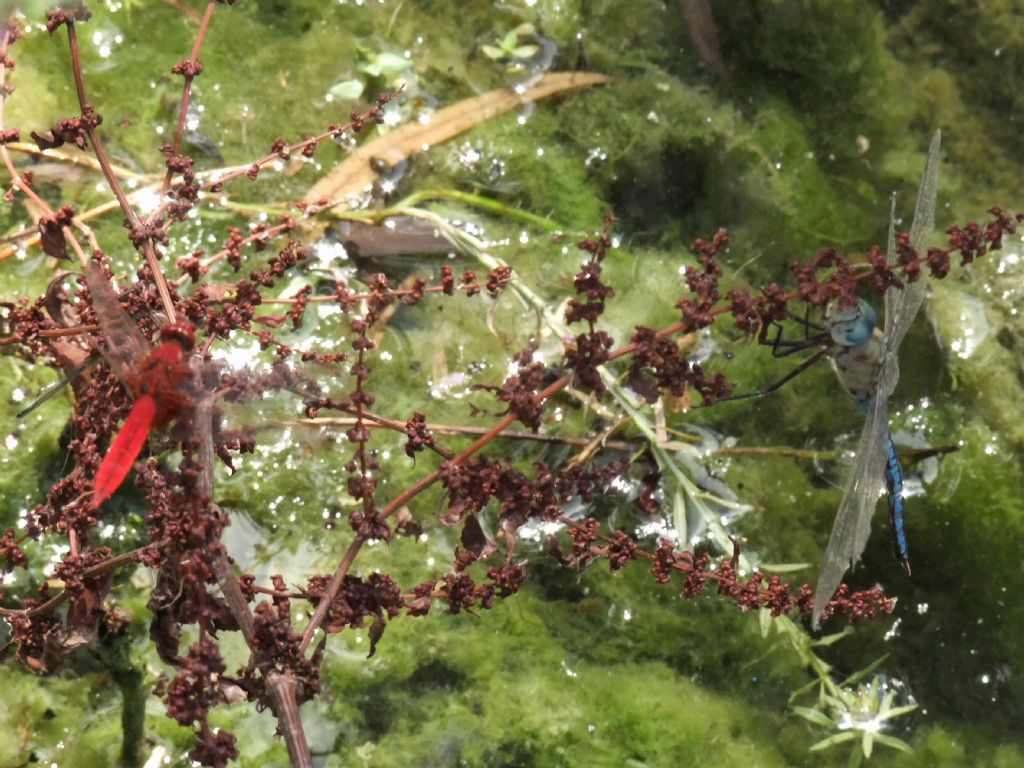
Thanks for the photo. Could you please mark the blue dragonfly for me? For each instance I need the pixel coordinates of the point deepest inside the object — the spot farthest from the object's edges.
(866, 360)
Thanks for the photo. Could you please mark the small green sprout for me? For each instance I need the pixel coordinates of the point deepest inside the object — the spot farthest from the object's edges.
(373, 65)
(383, 64)
(511, 50)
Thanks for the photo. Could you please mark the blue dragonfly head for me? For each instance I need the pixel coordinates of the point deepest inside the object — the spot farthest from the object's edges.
(851, 327)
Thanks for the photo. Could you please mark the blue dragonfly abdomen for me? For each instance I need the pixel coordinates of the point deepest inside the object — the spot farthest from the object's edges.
(894, 486)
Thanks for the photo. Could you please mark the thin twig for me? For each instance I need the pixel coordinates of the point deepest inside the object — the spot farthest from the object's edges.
(331, 592)
(186, 94)
(107, 565)
(148, 248)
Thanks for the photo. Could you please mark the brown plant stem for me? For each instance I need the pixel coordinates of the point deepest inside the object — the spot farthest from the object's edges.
(459, 429)
(107, 565)
(16, 179)
(282, 686)
(186, 94)
(148, 248)
(402, 499)
(286, 709)
(331, 592)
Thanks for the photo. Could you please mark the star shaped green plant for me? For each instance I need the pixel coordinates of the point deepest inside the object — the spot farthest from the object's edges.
(859, 715)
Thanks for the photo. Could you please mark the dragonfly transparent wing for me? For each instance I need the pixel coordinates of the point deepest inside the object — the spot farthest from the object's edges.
(126, 346)
(852, 525)
(901, 306)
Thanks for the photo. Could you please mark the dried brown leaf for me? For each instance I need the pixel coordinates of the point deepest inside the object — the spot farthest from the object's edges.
(355, 175)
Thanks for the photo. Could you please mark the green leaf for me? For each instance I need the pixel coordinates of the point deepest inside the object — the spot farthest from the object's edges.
(764, 620)
(863, 673)
(391, 64)
(815, 715)
(525, 51)
(679, 515)
(347, 89)
(867, 743)
(835, 703)
(897, 711)
(892, 741)
(828, 640)
(831, 741)
(783, 567)
(492, 53)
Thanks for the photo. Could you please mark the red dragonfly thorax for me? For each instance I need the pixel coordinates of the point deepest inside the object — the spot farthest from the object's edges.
(165, 370)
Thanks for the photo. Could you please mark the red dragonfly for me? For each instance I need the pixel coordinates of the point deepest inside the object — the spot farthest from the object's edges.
(158, 378)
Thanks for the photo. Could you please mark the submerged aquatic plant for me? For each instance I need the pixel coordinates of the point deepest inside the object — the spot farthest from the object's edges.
(860, 714)
(197, 594)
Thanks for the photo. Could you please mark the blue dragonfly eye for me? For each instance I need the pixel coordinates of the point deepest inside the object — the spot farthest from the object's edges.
(852, 327)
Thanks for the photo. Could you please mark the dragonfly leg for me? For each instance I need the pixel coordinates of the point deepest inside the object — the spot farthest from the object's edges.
(806, 322)
(808, 363)
(782, 347)
(54, 389)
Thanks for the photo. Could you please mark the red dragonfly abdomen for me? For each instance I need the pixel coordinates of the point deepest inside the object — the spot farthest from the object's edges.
(124, 450)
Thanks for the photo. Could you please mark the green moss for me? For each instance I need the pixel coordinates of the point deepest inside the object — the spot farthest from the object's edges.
(484, 692)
